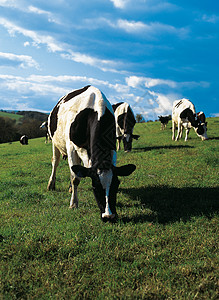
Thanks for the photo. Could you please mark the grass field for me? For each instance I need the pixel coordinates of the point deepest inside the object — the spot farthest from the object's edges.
(10, 115)
(164, 245)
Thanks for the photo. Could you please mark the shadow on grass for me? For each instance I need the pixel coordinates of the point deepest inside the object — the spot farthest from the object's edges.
(144, 149)
(214, 138)
(169, 205)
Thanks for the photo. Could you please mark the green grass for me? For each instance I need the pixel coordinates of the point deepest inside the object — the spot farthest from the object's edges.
(10, 115)
(164, 245)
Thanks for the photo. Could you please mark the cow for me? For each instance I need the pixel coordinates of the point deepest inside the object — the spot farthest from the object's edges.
(45, 125)
(82, 128)
(24, 140)
(184, 116)
(164, 121)
(125, 122)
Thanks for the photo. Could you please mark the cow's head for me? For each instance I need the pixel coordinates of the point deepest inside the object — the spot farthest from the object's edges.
(201, 131)
(127, 141)
(105, 186)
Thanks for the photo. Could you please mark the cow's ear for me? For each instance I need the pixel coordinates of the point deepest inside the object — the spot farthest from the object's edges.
(81, 171)
(136, 137)
(125, 170)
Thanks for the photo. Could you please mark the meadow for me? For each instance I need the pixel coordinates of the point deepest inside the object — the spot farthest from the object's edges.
(163, 246)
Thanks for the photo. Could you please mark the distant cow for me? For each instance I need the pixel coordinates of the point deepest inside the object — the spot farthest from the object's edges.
(45, 125)
(184, 116)
(164, 121)
(125, 122)
(24, 140)
(82, 127)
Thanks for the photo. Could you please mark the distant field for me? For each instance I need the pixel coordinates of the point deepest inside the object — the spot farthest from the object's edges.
(10, 115)
(164, 245)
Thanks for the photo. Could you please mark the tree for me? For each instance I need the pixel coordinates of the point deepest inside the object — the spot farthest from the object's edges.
(140, 118)
(8, 130)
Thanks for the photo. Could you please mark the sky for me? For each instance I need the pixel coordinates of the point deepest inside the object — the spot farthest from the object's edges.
(148, 53)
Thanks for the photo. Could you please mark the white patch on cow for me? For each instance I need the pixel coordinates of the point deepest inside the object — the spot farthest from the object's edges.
(106, 179)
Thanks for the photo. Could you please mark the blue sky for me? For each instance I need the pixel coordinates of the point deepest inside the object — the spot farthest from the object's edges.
(145, 52)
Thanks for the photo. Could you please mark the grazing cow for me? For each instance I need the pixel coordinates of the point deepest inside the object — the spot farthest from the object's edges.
(45, 125)
(164, 121)
(183, 115)
(125, 122)
(24, 140)
(82, 127)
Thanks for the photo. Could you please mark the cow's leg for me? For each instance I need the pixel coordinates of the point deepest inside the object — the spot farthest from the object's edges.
(187, 133)
(179, 132)
(173, 130)
(55, 163)
(73, 159)
(118, 145)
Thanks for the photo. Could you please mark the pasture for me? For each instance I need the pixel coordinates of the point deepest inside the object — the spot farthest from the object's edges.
(164, 245)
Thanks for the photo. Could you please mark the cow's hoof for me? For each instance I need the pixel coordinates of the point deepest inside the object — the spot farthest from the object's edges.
(108, 218)
(51, 187)
(75, 205)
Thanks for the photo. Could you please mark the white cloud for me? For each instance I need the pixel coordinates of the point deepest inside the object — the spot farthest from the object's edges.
(33, 9)
(23, 61)
(150, 30)
(38, 39)
(141, 82)
(120, 3)
(210, 19)
(131, 26)
(136, 82)
(104, 65)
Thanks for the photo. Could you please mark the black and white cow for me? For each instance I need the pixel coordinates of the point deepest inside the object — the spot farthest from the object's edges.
(24, 140)
(45, 125)
(82, 127)
(125, 122)
(164, 121)
(184, 116)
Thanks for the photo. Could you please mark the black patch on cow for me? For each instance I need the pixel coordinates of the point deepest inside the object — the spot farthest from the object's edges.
(201, 117)
(127, 121)
(116, 105)
(54, 113)
(75, 93)
(178, 103)
(200, 129)
(54, 119)
(97, 137)
(188, 114)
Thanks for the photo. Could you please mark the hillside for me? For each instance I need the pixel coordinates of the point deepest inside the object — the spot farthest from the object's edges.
(12, 116)
(14, 125)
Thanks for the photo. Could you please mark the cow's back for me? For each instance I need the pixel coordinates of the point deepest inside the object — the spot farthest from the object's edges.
(74, 116)
(179, 106)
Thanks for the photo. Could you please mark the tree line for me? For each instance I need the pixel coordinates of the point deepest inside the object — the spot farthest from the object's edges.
(11, 130)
